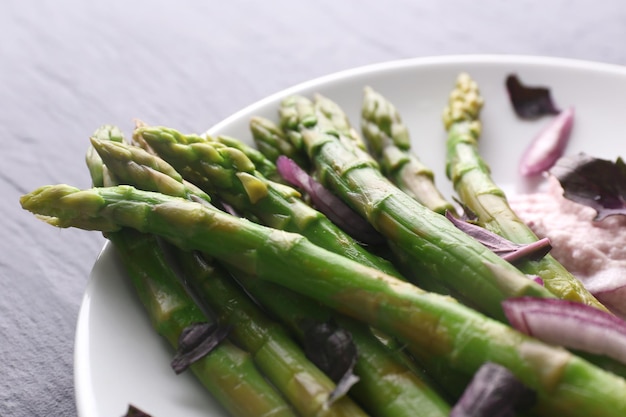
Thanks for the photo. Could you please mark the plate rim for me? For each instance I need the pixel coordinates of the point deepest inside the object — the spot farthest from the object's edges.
(419, 62)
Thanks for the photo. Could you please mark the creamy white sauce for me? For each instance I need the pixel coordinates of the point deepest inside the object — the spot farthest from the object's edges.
(594, 251)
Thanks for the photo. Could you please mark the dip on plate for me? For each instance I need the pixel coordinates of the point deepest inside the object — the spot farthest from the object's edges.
(593, 251)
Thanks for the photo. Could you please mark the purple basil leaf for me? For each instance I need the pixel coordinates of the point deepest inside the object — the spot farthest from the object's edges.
(495, 392)
(529, 251)
(135, 412)
(196, 341)
(529, 102)
(331, 348)
(509, 251)
(328, 203)
(343, 386)
(597, 183)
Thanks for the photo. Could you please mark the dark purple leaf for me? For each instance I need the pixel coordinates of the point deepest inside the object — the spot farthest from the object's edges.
(135, 412)
(509, 251)
(195, 342)
(328, 203)
(529, 102)
(597, 183)
(493, 392)
(331, 348)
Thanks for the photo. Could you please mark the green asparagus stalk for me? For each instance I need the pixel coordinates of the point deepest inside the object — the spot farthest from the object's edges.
(135, 174)
(99, 174)
(324, 115)
(284, 362)
(382, 373)
(471, 177)
(263, 165)
(126, 169)
(135, 166)
(390, 144)
(387, 385)
(433, 244)
(227, 372)
(273, 142)
(297, 111)
(436, 325)
(229, 174)
(333, 119)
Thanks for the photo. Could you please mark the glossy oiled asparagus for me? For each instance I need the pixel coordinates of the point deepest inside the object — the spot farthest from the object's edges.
(433, 244)
(229, 174)
(388, 388)
(435, 325)
(472, 180)
(227, 372)
(305, 386)
(389, 141)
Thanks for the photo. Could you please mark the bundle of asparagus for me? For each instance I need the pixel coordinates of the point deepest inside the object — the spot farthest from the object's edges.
(280, 262)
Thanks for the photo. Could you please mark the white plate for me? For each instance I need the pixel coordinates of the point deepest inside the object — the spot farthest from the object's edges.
(119, 360)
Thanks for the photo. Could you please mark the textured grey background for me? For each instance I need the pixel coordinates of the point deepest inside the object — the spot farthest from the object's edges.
(68, 66)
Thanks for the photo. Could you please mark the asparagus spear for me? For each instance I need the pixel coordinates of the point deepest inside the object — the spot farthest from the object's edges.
(435, 247)
(297, 111)
(285, 364)
(134, 166)
(99, 173)
(389, 142)
(227, 372)
(331, 119)
(436, 325)
(472, 180)
(292, 305)
(387, 386)
(273, 142)
(382, 373)
(229, 174)
(263, 164)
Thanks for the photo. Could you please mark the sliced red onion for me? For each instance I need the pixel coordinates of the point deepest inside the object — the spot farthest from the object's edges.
(537, 279)
(507, 250)
(609, 287)
(328, 203)
(569, 324)
(613, 298)
(549, 145)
